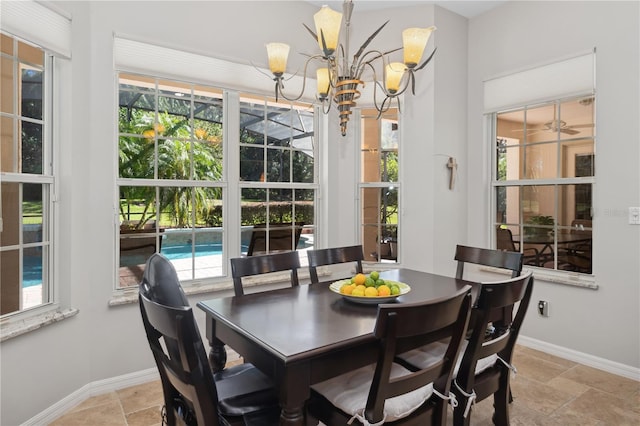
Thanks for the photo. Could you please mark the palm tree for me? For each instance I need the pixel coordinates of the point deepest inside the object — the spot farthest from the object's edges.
(185, 151)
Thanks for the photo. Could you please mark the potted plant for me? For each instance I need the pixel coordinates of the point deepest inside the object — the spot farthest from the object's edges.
(543, 225)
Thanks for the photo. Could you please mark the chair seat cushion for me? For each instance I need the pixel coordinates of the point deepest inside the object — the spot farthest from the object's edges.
(244, 389)
(349, 393)
(433, 352)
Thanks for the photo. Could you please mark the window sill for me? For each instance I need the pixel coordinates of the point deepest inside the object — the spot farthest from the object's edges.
(130, 295)
(558, 277)
(566, 278)
(24, 323)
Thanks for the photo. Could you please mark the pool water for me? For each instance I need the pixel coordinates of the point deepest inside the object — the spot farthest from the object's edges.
(32, 271)
(185, 251)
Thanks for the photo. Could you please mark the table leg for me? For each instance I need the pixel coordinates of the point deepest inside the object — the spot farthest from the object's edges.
(217, 355)
(292, 416)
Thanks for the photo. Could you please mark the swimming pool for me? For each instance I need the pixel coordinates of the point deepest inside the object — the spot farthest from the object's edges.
(185, 251)
(31, 271)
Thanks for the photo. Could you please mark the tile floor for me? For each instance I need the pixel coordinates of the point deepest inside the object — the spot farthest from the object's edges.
(547, 391)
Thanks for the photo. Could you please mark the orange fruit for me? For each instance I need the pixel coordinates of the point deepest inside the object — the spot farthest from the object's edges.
(371, 292)
(358, 291)
(383, 290)
(347, 289)
(359, 279)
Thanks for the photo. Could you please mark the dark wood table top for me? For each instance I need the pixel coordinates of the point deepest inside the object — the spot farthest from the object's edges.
(303, 335)
(297, 322)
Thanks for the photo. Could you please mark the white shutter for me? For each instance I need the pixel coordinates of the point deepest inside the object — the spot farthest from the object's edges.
(37, 24)
(561, 79)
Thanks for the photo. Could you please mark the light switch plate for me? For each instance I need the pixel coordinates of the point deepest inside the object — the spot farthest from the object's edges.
(634, 215)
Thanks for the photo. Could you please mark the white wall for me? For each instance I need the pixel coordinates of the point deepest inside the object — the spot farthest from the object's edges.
(41, 368)
(603, 323)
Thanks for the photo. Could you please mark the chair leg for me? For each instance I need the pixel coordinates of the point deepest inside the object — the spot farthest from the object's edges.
(501, 401)
(458, 413)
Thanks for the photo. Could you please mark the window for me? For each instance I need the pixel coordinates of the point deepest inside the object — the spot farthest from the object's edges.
(277, 176)
(379, 186)
(180, 192)
(26, 168)
(543, 178)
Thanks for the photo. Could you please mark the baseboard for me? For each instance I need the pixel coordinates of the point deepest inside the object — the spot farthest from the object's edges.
(92, 389)
(100, 387)
(582, 358)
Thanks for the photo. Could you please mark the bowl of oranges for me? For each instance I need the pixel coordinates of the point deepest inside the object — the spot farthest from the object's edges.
(369, 289)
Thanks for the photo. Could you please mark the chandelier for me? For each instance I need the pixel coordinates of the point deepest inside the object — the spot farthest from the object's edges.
(339, 77)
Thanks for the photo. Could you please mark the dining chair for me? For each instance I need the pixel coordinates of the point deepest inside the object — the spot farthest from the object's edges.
(505, 242)
(386, 391)
(238, 395)
(484, 365)
(510, 260)
(278, 237)
(577, 256)
(267, 263)
(334, 256)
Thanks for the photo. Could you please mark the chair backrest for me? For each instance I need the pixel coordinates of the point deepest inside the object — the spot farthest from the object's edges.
(276, 237)
(510, 260)
(333, 256)
(400, 325)
(187, 380)
(267, 263)
(494, 296)
(504, 239)
(581, 226)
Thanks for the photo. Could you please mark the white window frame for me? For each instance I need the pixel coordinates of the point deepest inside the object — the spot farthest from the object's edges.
(362, 185)
(165, 63)
(50, 30)
(565, 78)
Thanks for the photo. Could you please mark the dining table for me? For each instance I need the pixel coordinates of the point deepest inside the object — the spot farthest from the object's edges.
(302, 335)
(547, 241)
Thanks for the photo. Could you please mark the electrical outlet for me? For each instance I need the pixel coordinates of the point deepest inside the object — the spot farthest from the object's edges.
(543, 308)
(634, 215)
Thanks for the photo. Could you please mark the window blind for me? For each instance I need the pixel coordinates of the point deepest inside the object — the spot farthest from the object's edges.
(146, 58)
(557, 80)
(37, 24)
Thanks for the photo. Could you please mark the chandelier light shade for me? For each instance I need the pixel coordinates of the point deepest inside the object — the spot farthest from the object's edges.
(393, 77)
(339, 76)
(322, 75)
(414, 41)
(328, 23)
(278, 54)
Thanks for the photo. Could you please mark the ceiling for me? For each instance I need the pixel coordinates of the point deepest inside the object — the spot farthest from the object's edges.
(468, 9)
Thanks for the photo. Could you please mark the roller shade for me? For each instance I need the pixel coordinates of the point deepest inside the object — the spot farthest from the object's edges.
(553, 81)
(146, 58)
(37, 24)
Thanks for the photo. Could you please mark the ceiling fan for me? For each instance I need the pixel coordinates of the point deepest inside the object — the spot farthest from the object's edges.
(555, 126)
(558, 126)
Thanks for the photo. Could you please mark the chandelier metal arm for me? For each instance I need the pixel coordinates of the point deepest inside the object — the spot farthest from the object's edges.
(427, 60)
(340, 76)
(280, 85)
(366, 43)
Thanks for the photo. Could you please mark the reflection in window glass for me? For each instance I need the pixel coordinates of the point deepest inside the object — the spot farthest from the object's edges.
(544, 167)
